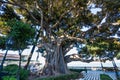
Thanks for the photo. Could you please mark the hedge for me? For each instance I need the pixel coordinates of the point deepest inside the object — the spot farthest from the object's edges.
(73, 75)
(12, 69)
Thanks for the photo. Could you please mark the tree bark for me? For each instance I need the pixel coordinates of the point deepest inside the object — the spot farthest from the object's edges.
(3, 60)
(19, 66)
(29, 58)
(55, 63)
(31, 53)
(63, 65)
(37, 37)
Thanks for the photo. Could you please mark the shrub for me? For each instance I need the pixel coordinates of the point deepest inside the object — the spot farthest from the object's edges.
(24, 74)
(13, 68)
(77, 70)
(74, 75)
(8, 78)
(105, 77)
(108, 68)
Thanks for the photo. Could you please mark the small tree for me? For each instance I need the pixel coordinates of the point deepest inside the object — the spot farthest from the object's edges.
(8, 44)
(21, 33)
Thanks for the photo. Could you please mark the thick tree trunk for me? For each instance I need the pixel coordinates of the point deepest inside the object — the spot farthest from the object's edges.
(3, 60)
(55, 63)
(62, 64)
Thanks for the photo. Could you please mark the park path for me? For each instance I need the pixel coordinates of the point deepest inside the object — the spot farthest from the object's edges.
(95, 75)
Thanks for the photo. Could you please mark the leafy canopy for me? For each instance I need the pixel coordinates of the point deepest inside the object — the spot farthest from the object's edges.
(20, 32)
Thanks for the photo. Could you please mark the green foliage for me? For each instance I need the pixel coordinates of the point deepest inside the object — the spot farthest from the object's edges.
(2, 42)
(13, 68)
(9, 14)
(3, 29)
(8, 78)
(99, 46)
(118, 55)
(105, 77)
(77, 70)
(64, 18)
(20, 32)
(24, 74)
(62, 77)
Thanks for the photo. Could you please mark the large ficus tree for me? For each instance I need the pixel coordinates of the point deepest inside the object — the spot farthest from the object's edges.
(60, 24)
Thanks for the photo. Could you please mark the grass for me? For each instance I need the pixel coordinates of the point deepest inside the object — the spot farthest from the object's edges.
(105, 77)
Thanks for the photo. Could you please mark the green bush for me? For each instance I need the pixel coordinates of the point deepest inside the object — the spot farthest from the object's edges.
(77, 70)
(13, 68)
(74, 75)
(108, 68)
(105, 77)
(8, 78)
(24, 74)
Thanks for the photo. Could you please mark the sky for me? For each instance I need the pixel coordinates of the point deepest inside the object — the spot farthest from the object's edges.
(93, 9)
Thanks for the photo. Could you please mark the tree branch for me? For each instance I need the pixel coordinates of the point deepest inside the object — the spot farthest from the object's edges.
(23, 7)
(67, 50)
(77, 57)
(62, 16)
(76, 39)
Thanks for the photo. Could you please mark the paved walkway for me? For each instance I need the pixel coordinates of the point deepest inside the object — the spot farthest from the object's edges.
(95, 75)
